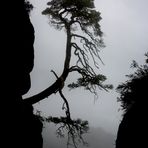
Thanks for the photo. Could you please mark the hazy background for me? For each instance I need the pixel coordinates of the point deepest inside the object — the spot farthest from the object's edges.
(124, 23)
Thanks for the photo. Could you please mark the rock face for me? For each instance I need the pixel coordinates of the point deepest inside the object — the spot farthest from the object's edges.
(22, 129)
(133, 128)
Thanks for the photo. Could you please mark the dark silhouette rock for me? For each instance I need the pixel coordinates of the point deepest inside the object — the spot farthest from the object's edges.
(133, 129)
(22, 129)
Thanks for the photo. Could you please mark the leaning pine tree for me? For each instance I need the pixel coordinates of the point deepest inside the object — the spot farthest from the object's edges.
(80, 21)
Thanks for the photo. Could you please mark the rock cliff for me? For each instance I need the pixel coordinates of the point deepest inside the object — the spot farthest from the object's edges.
(22, 129)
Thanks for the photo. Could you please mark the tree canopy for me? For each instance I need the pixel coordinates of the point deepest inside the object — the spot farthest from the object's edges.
(70, 12)
(134, 90)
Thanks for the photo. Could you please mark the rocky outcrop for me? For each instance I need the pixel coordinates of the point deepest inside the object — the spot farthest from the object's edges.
(133, 128)
(22, 129)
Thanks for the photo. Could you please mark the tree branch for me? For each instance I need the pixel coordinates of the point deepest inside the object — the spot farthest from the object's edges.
(44, 94)
(60, 81)
(67, 104)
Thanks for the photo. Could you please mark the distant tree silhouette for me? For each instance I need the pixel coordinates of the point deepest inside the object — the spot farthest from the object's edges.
(80, 21)
(133, 98)
(135, 87)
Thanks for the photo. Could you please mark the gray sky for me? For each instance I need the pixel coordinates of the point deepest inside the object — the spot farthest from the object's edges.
(124, 23)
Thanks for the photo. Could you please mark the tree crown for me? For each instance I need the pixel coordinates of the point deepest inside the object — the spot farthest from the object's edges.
(74, 11)
(134, 90)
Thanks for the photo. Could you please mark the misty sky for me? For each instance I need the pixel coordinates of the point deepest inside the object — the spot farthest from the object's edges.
(124, 23)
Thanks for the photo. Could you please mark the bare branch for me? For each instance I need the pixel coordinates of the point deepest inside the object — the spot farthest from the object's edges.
(91, 46)
(55, 74)
(67, 104)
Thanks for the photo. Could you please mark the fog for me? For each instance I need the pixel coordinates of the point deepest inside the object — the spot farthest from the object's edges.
(96, 138)
(124, 24)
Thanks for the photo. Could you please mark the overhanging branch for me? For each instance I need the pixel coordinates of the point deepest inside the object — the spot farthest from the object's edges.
(44, 94)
